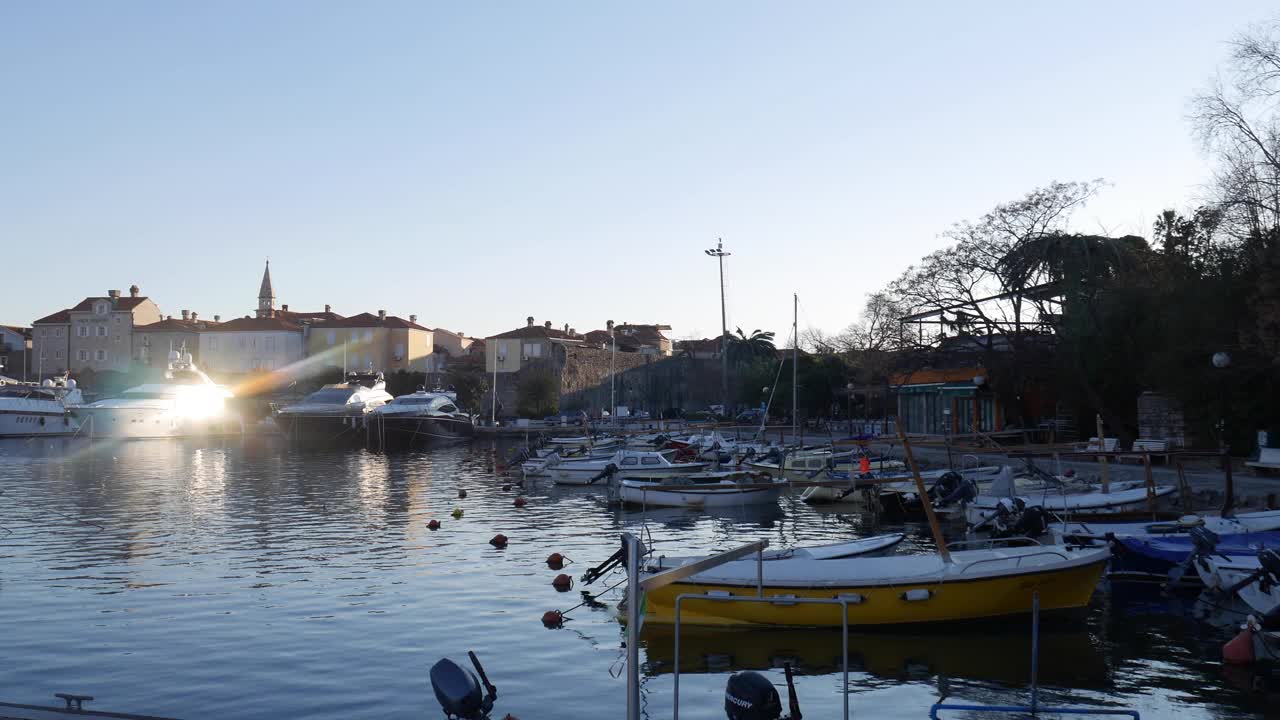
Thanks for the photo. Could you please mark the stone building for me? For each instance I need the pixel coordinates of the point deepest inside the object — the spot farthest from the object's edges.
(96, 334)
(152, 343)
(15, 351)
(386, 343)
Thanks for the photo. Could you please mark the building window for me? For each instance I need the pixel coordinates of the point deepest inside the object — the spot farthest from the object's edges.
(100, 355)
(82, 355)
(242, 342)
(355, 336)
(271, 344)
(57, 332)
(57, 354)
(368, 335)
(100, 309)
(82, 330)
(41, 332)
(117, 319)
(332, 337)
(213, 344)
(532, 350)
(399, 351)
(102, 331)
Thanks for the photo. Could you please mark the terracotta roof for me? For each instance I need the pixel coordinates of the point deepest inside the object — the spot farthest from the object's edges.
(534, 331)
(256, 324)
(177, 324)
(62, 317)
(23, 331)
(123, 303)
(704, 345)
(301, 316)
(369, 320)
(645, 334)
(929, 376)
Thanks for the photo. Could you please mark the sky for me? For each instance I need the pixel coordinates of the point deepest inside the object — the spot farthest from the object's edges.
(478, 163)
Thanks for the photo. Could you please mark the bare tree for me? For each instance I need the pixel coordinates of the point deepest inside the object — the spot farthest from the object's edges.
(1238, 122)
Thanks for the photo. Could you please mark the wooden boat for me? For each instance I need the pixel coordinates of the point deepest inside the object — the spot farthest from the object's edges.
(884, 591)
(1239, 524)
(1079, 500)
(903, 493)
(700, 490)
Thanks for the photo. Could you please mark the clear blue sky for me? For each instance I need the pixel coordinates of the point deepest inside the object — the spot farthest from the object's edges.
(477, 163)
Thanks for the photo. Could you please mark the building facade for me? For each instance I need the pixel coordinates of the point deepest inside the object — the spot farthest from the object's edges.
(15, 351)
(251, 344)
(385, 343)
(152, 343)
(96, 334)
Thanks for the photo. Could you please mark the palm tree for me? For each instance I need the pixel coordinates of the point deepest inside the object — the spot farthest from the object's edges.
(744, 347)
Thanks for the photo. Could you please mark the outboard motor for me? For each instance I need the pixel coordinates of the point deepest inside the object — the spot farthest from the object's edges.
(459, 692)
(1269, 560)
(750, 696)
(1007, 512)
(1032, 523)
(952, 488)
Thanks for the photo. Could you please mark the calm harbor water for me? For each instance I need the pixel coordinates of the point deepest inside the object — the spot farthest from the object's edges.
(246, 579)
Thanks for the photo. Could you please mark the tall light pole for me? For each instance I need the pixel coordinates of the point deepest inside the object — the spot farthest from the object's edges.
(613, 398)
(719, 253)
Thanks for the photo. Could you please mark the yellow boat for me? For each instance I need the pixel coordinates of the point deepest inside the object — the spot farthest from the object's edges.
(894, 590)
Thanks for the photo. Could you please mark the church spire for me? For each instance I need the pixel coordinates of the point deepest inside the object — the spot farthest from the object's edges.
(266, 295)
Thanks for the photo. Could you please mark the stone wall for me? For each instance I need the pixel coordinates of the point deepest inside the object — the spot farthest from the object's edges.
(1160, 417)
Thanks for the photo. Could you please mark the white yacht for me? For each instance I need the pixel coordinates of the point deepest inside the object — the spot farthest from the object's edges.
(421, 418)
(336, 411)
(28, 409)
(592, 470)
(184, 403)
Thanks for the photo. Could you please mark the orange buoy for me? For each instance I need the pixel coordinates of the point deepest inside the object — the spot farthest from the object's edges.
(555, 561)
(553, 618)
(433, 525)
(864, 465)
(499, 541)
(562, 582)
(520, 501)
(462, 493)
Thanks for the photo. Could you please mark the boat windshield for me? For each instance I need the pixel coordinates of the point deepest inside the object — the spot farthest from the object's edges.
(331, 396)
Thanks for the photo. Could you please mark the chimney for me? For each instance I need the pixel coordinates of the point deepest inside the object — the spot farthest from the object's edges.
(609, 325)
(186, 314)
(573, 332)
(133, 291)
(115, 297)
(326, 308)
(217, 318)
(285, 307)
(193, 316)
(168, 317)
(547, 324)
(382, 316)
(529, 321)
(413, 318)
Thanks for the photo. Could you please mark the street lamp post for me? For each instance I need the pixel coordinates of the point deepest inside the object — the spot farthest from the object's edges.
(719, 253)
(613, 397)
(849, 387)
(1222, 361)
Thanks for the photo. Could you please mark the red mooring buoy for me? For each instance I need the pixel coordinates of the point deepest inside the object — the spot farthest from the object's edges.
(520, 501)
(433, 525)
(555, 561)
(499, 541)
(553, 618)
(562, 582)
(1239, 650)
(462, 493)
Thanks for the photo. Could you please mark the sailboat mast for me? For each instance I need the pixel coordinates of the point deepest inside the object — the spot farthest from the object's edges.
(795, 356)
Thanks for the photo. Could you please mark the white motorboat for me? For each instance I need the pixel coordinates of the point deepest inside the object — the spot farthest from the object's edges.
(335, 412)
(590, 471)
(903, 492)
(700, 490)
(1254, 578)
(184, 403)
(28, 409)
(422, 418)
(545, 459)
(1239, 524)
(862, 547)
(1080, 499)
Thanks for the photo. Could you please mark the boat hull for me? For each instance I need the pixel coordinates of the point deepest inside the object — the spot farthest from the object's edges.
(152, 423)
(953, 599)
(407, 432)
(583, 476)
(697, 497)
(324, 430)
(37, 423)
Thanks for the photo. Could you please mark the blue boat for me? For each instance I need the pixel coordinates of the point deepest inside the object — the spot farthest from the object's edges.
(1148, 557)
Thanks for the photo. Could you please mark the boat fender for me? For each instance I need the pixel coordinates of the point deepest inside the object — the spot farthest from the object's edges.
(555, 561)
(498, 541)
(433, 524)
(562, 582)
(916, 594)
(1239, 650)
(750, 696)
(851, 598)
(520, 501)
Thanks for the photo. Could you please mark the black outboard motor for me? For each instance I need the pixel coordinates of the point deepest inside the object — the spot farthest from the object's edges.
(459, 692)
(750, 696)
(1032, 523)
(952, 488)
